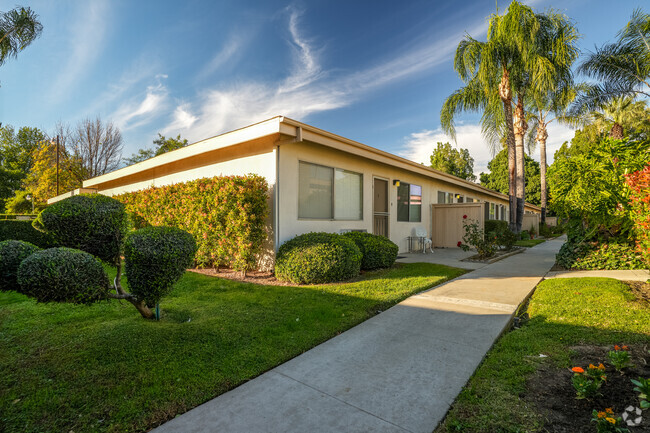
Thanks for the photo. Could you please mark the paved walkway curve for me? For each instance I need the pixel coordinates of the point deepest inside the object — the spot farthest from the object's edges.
(397, 372)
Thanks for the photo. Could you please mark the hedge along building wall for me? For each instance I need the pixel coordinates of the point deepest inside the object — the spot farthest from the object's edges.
(227, 215)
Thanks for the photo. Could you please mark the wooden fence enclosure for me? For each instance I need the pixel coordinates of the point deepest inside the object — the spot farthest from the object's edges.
(447, 222)
(531, 220)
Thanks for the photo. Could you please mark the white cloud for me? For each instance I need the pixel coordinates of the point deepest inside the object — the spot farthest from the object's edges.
(88, 30)
(227, 53)
(419, 145)
(183, 119)
(307, 88)
(139, 111)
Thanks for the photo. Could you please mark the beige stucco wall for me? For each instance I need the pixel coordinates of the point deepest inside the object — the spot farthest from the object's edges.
(290, 225)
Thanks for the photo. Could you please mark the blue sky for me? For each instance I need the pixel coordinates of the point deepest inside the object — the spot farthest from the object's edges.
(374, 71)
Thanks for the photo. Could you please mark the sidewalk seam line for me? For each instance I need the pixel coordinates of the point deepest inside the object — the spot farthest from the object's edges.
(344, 402)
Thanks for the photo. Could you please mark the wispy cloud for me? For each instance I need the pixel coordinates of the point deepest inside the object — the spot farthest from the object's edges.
(85, 43)
(139, 111)
(228, 52)
(308, 88)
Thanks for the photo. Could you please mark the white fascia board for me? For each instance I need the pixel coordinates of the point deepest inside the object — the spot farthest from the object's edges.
(258, 130)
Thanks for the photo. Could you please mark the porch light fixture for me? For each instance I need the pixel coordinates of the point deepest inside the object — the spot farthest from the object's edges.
(396, 182)
(457, 196)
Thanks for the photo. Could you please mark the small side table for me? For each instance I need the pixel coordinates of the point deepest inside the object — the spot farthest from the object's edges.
(419, 240)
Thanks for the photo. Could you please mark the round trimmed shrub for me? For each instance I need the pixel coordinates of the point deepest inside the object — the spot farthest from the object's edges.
(318, 258)
(93, 223)
(12, 253)
(63, 275)
(155, 258)
(378, 251)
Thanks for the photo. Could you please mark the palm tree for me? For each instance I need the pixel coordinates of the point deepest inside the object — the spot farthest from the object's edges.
(623, 67)
(18, 28)
(621, 113)
(529, 52)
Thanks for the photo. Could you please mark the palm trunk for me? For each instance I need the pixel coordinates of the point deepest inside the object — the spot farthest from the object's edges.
(505, 93)
(616, 132)
(520, 126)
(542, 136)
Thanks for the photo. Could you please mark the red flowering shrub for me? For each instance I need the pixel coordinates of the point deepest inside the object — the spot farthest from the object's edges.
(226, 215)
(639, 183)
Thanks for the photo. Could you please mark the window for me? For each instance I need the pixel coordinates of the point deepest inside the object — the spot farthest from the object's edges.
(492, 214)
(409, 203)
(445, 197)
(329, 193)
(459, 198)
(469, 200)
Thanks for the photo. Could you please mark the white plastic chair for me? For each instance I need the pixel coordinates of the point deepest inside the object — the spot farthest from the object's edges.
(421, 233)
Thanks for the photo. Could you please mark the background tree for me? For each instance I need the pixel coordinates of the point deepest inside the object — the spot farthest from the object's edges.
(497, 178)
(163, 145)
(18, 28)
(457, 162)
(97, 146)
(621, 114)
(16, 158)
(622, 67)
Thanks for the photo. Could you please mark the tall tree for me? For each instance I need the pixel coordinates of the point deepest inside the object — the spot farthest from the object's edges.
(623, 67)
(457, 162)
(97, 146)
(18, 28)
(163, 145)
(620, 113)
(497, 177)
(16, 157)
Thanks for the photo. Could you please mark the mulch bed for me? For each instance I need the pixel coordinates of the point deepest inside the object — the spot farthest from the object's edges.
(552, 392)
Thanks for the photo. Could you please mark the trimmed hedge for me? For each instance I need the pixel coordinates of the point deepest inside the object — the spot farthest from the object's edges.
(320, 257)
(496, 226)
(155, 258)
(12, 253)
(63, 275)
(93, 223)
(596, 255)
(378, 251)
(22, 230)
(225, 215)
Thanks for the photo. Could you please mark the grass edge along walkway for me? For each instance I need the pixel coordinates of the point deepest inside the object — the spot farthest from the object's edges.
(103, 368)
(562, 313)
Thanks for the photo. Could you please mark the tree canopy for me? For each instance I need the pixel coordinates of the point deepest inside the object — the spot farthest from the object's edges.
(162, 145)
(457, 162)
(497, 178)
(18, 28)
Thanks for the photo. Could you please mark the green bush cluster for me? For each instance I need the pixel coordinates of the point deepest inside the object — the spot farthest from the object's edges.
(505, 238)
(63, 275)
(475, 237)
(225, 214)
(318, 258)
(524, 235)
(377, 251)
(22, 230)
(155, 258)
(12, 253)
(599, 255)
(93, 223)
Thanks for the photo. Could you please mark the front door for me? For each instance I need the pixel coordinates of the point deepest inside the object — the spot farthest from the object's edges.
(380, 207)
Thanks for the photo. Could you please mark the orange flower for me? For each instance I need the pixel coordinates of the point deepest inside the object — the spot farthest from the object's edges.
(624, 347)
(611, 420)
(609, 411)
(602, 415)
(617, 347)
(601, 366)
(578, 370)
(592, 367)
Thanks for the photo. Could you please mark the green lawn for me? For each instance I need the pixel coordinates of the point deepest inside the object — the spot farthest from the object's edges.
(104, 368)
(529, 242)
(563, 313)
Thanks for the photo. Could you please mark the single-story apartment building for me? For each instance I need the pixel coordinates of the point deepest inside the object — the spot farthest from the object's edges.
(318, 181)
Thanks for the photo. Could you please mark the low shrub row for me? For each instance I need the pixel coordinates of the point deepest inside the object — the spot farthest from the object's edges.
(599, 255)
(22, 230)
(320, 257)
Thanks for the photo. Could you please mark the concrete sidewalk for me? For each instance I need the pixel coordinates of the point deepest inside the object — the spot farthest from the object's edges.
(624, 275)
(397, 372)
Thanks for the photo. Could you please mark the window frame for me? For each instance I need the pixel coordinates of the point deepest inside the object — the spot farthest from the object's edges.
(408, 206)
(333, 200)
